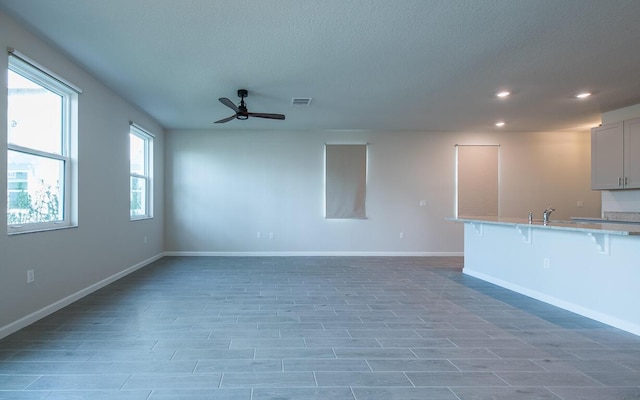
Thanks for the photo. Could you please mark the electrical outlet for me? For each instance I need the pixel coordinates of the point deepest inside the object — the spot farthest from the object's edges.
(423, 203)
(401, 235)
(546, 263)
(258, 235)
(580, 204)
(270, 235)
(145, 240)
(31, 276)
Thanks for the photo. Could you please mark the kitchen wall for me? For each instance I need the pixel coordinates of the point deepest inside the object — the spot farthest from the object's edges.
(621, 200)
(223, 187)
(71, 262)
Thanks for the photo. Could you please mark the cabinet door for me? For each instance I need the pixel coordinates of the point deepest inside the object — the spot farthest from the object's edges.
(632, 153)
(607, 146)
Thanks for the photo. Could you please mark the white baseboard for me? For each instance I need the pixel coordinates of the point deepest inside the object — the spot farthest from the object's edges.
(309, 254)
(51, 308)
(580, 310)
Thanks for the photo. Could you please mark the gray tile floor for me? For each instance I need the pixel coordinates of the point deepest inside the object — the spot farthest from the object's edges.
(315, 328)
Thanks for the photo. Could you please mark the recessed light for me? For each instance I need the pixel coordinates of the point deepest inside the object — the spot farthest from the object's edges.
(503, 93)
(583, 95)
(500, 124)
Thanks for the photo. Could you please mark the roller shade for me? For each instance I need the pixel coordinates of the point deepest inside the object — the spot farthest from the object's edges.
(345, 176)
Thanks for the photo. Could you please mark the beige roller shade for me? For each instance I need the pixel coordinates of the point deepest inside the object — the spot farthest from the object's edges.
(345, 176)
(478, 180)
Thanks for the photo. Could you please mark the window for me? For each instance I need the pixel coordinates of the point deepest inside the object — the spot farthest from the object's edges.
(345, 181)
(40, 135)
(477, 178)
(140, 162)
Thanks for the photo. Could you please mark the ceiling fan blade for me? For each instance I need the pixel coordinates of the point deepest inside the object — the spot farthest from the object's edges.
(264, 115)
(229, 104)
(226, 119)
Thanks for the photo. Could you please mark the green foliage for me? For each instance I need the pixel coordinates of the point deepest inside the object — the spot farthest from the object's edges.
(42, 206)
(136, 205)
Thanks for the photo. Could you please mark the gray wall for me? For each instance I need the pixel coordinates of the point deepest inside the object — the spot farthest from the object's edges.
(224, 187)
(106, 242)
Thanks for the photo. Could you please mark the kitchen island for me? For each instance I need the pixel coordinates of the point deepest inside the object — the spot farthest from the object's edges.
(592, 269)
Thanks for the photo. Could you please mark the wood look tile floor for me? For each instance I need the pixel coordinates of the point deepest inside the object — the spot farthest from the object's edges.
(311, 328)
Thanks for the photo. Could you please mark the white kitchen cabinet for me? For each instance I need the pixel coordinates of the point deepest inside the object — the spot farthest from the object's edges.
(632, 154)
(615, 156)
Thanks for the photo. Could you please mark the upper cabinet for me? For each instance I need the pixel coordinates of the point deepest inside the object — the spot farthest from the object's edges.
(632, 153)
(615, 156)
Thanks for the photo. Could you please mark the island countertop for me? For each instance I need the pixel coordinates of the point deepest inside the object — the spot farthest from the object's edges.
(575, 225)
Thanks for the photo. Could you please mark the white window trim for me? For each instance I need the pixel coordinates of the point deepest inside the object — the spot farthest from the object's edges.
(148, 137)
(32, 65)
(22, 65)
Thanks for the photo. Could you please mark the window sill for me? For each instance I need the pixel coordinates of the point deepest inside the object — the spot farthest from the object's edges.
(141, 218)
(12, 232)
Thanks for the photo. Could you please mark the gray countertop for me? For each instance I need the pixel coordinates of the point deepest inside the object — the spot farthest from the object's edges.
(626, 216)
(575, 225)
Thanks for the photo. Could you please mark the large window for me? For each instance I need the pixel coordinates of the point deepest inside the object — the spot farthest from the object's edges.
(345, 181)
(477, 180)
(40, 168)
(140, 162)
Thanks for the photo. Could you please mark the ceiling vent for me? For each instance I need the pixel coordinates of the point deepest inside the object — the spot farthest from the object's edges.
(301, 101)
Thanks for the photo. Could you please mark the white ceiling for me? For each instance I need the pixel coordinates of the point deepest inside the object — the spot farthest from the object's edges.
(429, 65)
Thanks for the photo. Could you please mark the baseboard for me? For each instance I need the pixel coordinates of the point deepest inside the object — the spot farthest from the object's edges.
(309, 254)
(580, 310)
(51, 308)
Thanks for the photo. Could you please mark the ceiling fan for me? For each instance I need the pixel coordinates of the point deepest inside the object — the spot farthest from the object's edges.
(241, 111)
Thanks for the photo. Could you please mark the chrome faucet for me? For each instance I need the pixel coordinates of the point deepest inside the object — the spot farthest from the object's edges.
(546, 213)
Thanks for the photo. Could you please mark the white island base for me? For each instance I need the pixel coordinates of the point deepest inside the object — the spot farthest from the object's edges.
(590, 269)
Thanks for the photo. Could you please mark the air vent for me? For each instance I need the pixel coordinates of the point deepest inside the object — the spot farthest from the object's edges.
(301, 101)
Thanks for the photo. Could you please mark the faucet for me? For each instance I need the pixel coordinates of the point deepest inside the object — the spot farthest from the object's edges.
(546, 213)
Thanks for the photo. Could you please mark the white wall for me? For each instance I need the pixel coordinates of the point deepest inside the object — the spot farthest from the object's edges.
(621, 200)
(106, 242)
(224, 187)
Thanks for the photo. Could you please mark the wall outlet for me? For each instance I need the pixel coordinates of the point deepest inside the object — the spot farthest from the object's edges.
(423, 203)
(401, 235)
(145, 240)
(31, 276)
(580, 204)
(258, 235)
(271, 235)
(546, 263)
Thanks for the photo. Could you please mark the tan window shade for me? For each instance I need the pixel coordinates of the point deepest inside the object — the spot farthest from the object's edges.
(477, 180)
(345, 175)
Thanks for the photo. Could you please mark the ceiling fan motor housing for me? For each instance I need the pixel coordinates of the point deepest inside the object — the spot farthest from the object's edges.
(244, 113)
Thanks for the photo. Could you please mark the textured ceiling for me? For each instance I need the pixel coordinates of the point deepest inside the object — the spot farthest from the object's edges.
(429, 65)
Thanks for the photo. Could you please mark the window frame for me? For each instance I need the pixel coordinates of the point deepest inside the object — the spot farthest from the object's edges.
(147, 176)
(68, 137)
